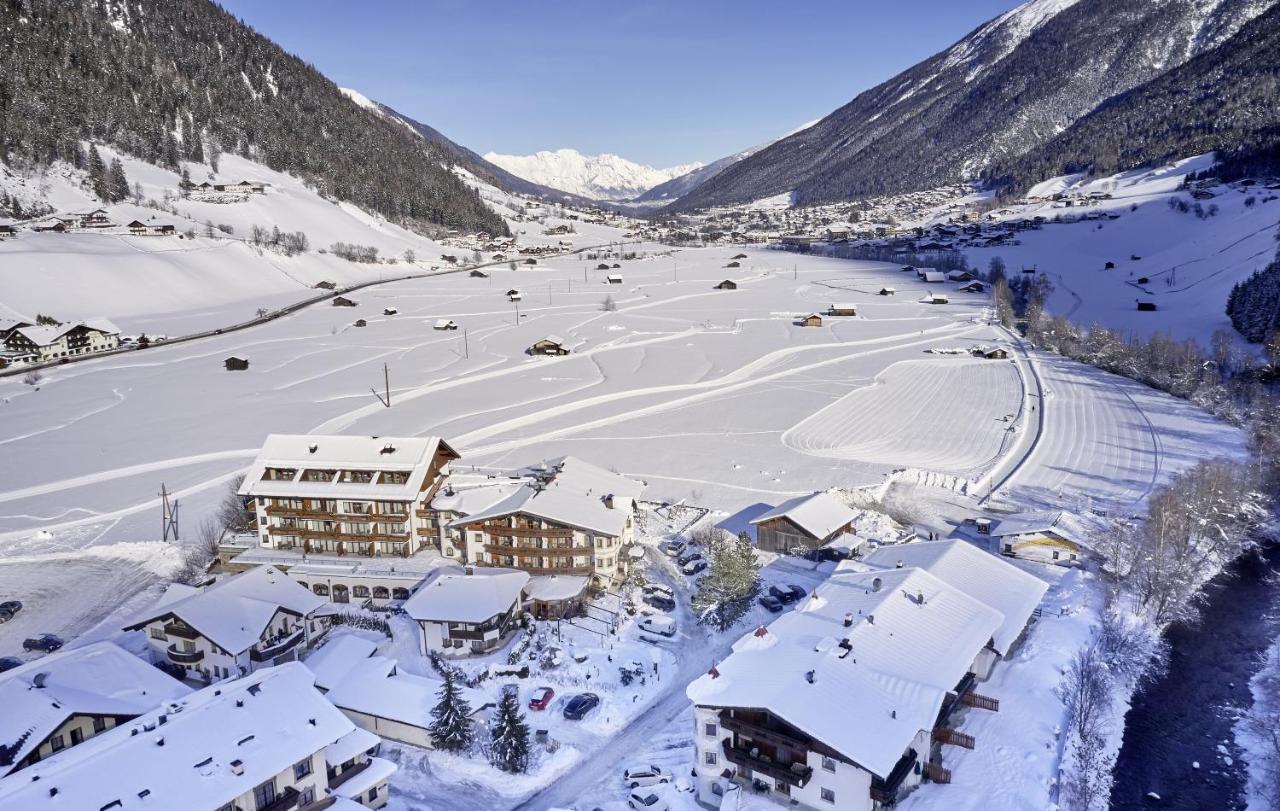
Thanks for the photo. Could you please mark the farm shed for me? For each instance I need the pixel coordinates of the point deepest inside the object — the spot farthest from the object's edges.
(342, 301)
(550, 345)
(234, 364)
(810, 320)
(842, 309)
(727, 284)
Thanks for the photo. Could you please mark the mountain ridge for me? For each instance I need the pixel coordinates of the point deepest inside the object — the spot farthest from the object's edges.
(602, 177)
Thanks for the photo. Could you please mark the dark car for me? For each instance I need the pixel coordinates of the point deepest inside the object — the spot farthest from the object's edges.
(581, 704)
(694, 566)
(782, 594)
(9, 663)
(8, 608)
(45, 642)
(660, 601)
(797, 591)
(770, 602)
(689, 557)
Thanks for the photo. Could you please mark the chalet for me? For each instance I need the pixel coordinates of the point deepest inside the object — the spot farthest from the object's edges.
(43, 344)
(1046, 537)
(234, 364)
(453, 260)
(68, 697)
(218, 748)
(497, 257)
(389, 311)
(960, 276)
(810, 320)
(564, 518)
(935, 298)
(360, 322)
(998, 353)
(137, 228)
(614, 278)
(343, 301)
(326, 285)
(550, 345)
(240, 624)
(1146, 306)
(445, 324)
(933, 277)
(514, 295)
(974, 286)
(842, 309)
(802, 524)
(843, 703)
(347, 495)
(727, 284)
(471, 612)
(93, 219)
(7, 231)
(204, 186)
(243, 187)
(479, 274)
(887, 291)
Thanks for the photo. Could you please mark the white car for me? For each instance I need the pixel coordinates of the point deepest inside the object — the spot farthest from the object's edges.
(663, 626)
(648, 801)
(638, 776)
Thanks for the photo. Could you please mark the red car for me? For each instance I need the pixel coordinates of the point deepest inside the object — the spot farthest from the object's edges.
(541, 698)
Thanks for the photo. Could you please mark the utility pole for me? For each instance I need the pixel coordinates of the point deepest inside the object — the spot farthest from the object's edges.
(168, 514)
(466, 346)
(386, 380)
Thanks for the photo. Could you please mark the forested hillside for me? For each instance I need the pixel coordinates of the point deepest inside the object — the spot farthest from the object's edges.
(1011, 85)
(171, 80)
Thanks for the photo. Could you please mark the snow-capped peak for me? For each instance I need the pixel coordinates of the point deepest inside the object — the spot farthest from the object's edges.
(601, 177)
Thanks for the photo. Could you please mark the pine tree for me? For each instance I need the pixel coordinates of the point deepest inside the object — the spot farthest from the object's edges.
(184, 185)
(510, 736)
(117, 183)
(732, 582)
(451, 727)
(98, 174)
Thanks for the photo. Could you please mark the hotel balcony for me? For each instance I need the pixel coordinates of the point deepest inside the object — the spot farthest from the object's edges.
(184, 657)
(267, 651)
(795, 773)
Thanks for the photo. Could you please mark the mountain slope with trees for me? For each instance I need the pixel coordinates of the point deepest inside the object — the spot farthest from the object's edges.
(1011, 85)
(186, 81)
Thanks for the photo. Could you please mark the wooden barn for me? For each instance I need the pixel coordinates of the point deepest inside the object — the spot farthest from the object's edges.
(326, 285)
(802, 523)
(234, 364)
(445, 324)
(614, 278)
(550, 345)
(531, 261)
(727, 284)
(972, 287)
(343, 301)
(842, 309)
(1146, 306)
(810, 320)
(739, 256)
(389, 311)
(360, 322)
(479, 274)
(733, 265)
(935, 298)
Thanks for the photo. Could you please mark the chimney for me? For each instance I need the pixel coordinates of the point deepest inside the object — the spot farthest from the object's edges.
(237, 767)
(846, 647)
(920, 598)
(39, 679)
(312, 448)
(608, 501)
(877, 583)
(893, 714)
(809, 676)
(899, 566)
(848, 619)
(387, 449)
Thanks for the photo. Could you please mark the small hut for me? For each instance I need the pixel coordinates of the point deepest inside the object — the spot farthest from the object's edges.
(614, 278)
(1146, 306)
(810, 320)
(842, 309)
(739, 256)
(727, 284)
(389, 311)
(234, 364)
(887, 291)
(479, 274)
(360, 322)
(514, 294)
(445, 323)
(550, 345)
(531, 261)
(326, 285)
(342, 301)
(733, 265)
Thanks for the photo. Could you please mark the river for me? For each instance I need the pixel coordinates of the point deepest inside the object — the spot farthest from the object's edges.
(1187, 715)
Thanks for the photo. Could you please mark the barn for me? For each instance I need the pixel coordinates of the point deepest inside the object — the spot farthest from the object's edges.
(550, 345)
(810, 320)
(445, 324)
(887, 291)
(614, 278)
(842, 309)
(234, 364)
(727, 284)
(342, 301)
(802, 523)
(1146, 306)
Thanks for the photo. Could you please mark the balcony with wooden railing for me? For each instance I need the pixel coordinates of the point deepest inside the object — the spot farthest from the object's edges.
(498, 528)
(180, 630)
(346, 537)
(316, 514)
(886, 791)
(795, 773)
(272, 648)
(937, 773)
(954, 737)
(765, 728)
(347, 774)
(184, 657)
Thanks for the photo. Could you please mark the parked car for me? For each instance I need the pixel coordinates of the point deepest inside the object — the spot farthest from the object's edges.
(648, 801)
(660, 601)
(658, 588)
(673, 549)
(8, 608)
(694, 566)
(9, 663)
(581, 704)
(689, 557)
(799, 592)
(782, 594)
(663, 626)
(638, 776)
(770, 602)
(175, 670)
(45, 642)
(541, 698)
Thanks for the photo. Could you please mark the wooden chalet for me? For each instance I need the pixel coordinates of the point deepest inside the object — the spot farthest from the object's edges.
(810, 320)
(550, 345)
(727, 284)
(343, 301)
(479, 274)
(445, 324)
(234, 364)
(842, 309)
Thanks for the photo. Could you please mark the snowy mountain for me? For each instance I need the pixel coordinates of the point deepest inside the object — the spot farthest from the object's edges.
(680, 186)
(1010, 85)
(599, 177)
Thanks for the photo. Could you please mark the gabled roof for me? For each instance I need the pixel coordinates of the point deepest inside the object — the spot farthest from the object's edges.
(234, 612)
(412, 455)
(819, 514)
(98, 679)
(337, 657)
(376, 687)
(1025, 523)
(981, 575)
(461, 597)
(266, 722)
(911, 639)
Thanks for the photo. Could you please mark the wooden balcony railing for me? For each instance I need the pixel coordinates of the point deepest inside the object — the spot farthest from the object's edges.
(795, 774)
(937, 773)
(766, 731)
(184, 657)
(265, 652)
(954, 737)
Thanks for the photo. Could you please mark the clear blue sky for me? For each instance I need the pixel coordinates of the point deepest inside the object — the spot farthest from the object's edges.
(659, 81)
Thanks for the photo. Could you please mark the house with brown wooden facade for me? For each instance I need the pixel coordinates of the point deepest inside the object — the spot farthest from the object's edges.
(802, 523)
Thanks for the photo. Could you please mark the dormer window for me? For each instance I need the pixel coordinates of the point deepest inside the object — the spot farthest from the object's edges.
(317, 475)
(279, 474)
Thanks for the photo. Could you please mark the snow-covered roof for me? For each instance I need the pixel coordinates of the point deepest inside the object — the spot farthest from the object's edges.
(412, 455)
(337, 657)
(45, 335)
(982, 575)
(911, 639)
(378, 770)
(933, 276)
(466, 494)
(377, 688)
(465, 597)
(265, 722)
(355, 742)
(97, 679)
(234, 612)
(555, 587)
(819, 514)
(1032, 522)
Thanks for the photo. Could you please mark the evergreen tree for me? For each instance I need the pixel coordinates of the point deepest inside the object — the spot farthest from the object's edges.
(510, 736)
(731, 583)
(98, 174)
(184, 185)
(117, 183)
(451, 727)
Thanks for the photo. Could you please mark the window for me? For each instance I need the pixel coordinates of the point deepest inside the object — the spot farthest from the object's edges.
(302, 768)
(265, 794)
(157, 632)
(828, 796)
(709, 758)
(710, 730)
(76, 736)
(360, 591)
(373, 794)
(99, 724)
(307, 797)
(828, 764)
(1055, 554)
(56, 743)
